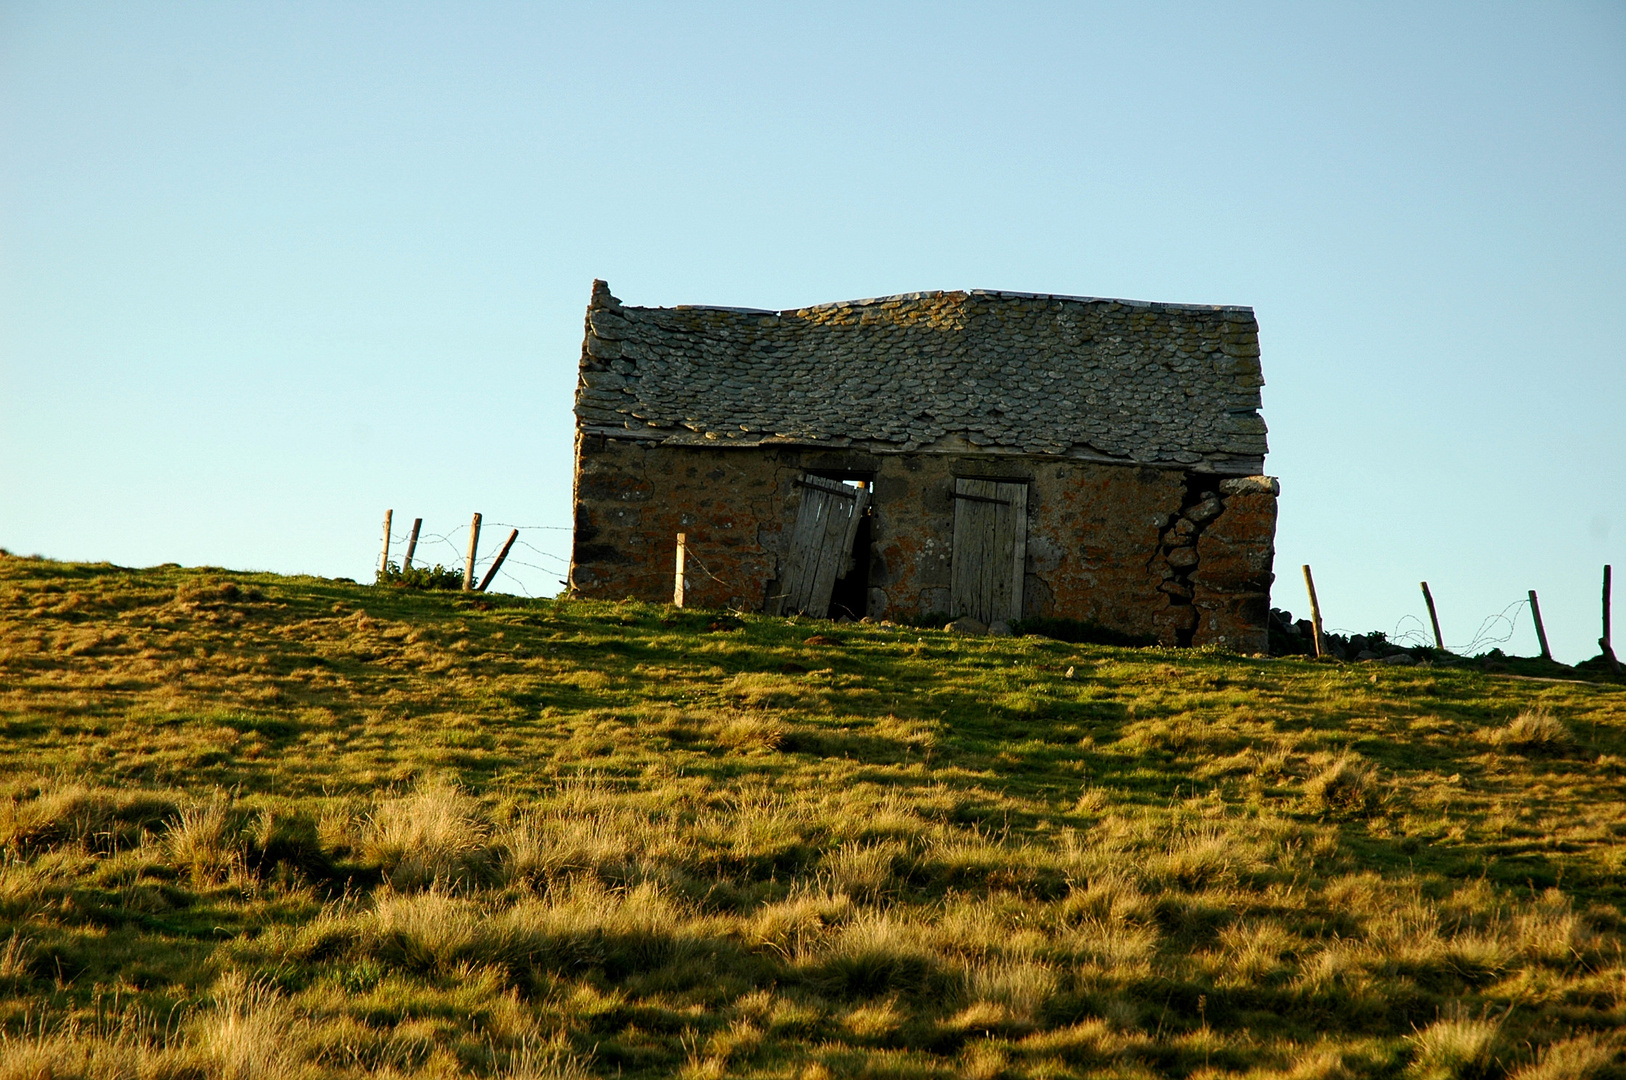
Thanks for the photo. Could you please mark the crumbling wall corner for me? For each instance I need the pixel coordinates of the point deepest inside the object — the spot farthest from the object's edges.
(1235, 554)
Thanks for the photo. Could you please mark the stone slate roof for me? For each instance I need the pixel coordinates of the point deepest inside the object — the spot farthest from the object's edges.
(1122, 380)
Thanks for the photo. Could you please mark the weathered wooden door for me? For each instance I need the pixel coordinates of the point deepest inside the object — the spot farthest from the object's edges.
(990, 549)
(820, 545)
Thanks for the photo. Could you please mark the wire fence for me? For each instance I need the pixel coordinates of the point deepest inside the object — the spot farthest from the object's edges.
(450, 550)
(1412, 632)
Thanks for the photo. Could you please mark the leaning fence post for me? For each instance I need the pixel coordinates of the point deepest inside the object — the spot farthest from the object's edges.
(1434, 619)
(384, 559)
(1315, 612)
(501, 555)
(412, 544)
(679, 579)
(1541, 631)
(474, 547)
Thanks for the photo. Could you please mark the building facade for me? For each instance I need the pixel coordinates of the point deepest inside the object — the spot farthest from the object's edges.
(998, 455)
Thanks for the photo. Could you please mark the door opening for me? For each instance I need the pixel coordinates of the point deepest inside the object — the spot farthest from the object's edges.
(850, 597)
(821, 544)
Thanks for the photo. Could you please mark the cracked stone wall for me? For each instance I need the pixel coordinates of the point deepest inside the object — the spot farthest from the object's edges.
(1182, 556)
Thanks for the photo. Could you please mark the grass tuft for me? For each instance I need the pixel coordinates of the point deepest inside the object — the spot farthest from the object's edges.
(201, 840)
(1534, 731)
(1452, 1049)
(16, 959)
(1347, 785)
(432, 836)
(74, 1052)
(551, 1059)
(251, 1034)
(50, 811)
(1580, 1058)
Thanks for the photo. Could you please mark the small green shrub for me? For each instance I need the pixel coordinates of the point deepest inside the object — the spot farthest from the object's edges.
(419, 577)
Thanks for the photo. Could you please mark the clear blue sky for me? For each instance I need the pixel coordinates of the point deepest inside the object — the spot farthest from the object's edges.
(268, 269)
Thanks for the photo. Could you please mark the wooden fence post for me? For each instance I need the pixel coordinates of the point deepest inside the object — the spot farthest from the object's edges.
(501, 555)
(1434, 619)
(1541, 631)
(1606, 635)
(1606, 644)
(474, 547)
(384, 559)
(1315, 612)
(680, 579)
(412, 544)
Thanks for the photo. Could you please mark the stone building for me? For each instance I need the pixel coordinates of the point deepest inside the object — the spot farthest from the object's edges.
(1002, 455)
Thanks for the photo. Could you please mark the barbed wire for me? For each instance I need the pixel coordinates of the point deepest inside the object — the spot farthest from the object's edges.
(1482, 635)
(689, 558)
(1409, 630)
(539, 551)
(429, 550)
(530, 566)
(1422, 637)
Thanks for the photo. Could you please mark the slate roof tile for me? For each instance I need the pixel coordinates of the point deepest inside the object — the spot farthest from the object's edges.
(1173, 384)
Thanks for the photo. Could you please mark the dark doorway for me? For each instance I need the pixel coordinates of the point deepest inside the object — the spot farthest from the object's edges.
(850, 597)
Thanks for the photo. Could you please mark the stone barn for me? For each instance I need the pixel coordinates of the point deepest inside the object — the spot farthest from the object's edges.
(992, 454)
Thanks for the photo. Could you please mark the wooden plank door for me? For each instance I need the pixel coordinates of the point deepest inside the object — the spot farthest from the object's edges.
(820, 545)
(990, 549)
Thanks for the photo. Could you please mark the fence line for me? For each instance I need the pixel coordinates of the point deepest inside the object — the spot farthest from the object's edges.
(455, 542)
(1484, 638)
(1408, 631)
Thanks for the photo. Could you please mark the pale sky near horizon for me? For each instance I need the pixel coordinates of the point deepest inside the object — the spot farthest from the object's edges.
(266, 270)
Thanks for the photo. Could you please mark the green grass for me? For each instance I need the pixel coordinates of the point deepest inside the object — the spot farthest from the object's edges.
(261, 826)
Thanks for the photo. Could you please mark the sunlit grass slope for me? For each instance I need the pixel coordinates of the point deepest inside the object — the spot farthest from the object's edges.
(257, 826)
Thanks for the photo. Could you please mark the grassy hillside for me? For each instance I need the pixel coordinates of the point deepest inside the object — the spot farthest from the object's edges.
(259, 826)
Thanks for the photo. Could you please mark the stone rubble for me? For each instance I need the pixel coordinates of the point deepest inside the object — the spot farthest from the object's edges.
(1297, 638)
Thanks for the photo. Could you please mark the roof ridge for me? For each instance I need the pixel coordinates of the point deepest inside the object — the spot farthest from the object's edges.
(999, 294)
(1038, 373)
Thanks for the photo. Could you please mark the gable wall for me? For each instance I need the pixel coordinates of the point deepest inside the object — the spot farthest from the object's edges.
(1105, 542)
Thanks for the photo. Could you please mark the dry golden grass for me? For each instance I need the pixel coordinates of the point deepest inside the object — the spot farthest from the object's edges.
(1448, 1049)
(1580, 1058)
(1532, 731)
(199, 840)
(1348, 784)
(434, 835)
(270, 827)
(251, 1032)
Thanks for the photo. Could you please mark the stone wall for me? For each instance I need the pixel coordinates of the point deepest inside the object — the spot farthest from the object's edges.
(1182, 556)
